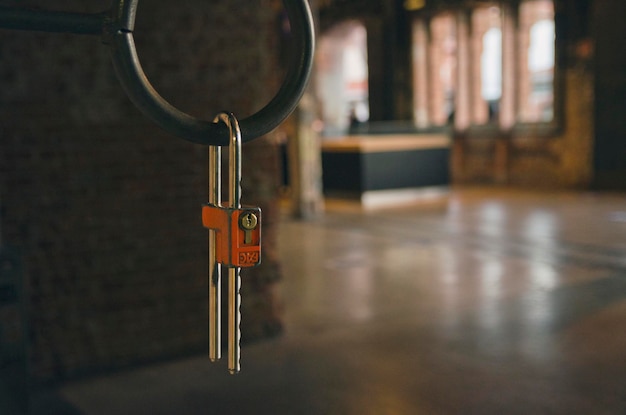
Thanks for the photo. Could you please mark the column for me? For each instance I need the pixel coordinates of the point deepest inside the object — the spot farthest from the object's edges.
(509, 68)
(462, 111)
(420, 74)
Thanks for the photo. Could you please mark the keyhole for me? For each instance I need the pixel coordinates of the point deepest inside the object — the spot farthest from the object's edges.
(249, 221)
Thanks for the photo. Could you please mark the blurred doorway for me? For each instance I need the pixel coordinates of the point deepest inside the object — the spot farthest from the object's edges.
(342, 77)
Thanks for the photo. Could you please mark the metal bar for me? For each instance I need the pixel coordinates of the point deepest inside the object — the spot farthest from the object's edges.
(53, 21)
(215, 301)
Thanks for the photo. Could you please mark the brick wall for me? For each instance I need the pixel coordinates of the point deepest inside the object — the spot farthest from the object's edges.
(104, 207)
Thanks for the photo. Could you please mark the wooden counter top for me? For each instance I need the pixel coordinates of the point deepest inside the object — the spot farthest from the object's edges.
(384, 143)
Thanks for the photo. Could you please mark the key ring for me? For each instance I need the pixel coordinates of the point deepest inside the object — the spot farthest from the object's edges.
(117, 25)
(176, 122)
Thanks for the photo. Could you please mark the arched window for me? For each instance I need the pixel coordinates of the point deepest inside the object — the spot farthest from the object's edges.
(537, 57)
(491, 69)
(342, 77)
(442, 69)
(486, 66)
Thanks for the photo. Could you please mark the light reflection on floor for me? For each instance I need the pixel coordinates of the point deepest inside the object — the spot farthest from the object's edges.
(485, 302)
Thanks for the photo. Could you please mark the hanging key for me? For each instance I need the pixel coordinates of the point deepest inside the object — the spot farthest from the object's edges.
(234, 243)
(215, 292)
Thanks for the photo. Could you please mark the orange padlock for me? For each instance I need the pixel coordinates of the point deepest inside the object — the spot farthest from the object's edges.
(234, 242)
(237, 234)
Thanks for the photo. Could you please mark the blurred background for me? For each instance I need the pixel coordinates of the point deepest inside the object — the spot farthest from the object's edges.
(431, 130)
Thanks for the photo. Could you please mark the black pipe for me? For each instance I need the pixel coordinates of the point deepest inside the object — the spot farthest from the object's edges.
(53, 21)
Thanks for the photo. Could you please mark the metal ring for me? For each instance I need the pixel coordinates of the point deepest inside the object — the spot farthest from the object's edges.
(178, 123)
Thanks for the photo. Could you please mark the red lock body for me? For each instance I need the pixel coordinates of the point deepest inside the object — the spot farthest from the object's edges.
(232, 249)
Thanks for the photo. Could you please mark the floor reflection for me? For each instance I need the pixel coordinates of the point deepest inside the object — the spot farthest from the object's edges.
(489, 302)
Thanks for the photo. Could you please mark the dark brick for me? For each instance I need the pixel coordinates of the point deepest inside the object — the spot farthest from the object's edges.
(104, 206)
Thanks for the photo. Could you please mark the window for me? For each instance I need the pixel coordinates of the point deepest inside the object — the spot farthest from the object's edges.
(485, 66)
(342, 77)
(434, 71)
(487, 60)
(443, 69)
(537, 38)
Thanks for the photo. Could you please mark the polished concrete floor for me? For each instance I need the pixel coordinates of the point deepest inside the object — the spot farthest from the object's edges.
(480, 302)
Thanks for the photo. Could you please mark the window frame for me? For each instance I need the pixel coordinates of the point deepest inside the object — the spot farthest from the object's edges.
(515, 126)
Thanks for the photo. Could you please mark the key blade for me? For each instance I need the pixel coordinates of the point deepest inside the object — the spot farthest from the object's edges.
(215, 292)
